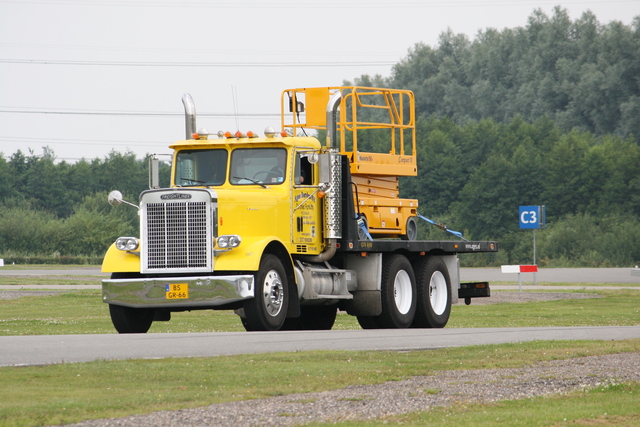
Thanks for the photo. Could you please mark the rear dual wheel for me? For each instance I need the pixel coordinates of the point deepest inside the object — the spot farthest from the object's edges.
(398, 293)
(434, 293)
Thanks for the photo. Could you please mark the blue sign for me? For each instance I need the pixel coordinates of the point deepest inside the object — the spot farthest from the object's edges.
(530, 217)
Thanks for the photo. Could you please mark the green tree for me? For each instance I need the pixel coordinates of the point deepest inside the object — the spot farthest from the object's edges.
(95, 225)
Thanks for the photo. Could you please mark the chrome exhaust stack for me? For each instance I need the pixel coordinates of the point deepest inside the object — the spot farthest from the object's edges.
(189, 115)
(332, 120)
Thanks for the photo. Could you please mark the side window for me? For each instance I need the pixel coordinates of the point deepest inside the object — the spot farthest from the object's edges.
(303, 174)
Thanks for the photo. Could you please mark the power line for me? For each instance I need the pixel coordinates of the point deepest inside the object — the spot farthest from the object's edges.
(313, 5)
(199, 64)
(195, 51)
(26, 139)
(16, 110)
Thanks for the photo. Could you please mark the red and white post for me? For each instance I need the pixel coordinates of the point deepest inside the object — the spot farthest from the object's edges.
(520, 269)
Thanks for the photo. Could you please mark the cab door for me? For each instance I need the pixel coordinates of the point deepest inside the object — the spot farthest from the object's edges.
(306, 209)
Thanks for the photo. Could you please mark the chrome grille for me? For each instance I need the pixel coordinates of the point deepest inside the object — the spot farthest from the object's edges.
(176, 235)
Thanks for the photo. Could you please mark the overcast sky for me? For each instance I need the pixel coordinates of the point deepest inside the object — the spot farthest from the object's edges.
(85, 77)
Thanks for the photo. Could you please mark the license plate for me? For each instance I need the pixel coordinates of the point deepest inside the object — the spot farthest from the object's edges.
(177, 291)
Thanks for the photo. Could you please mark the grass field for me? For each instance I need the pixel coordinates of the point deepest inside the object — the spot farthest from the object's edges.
(83, 312)
(65, 393)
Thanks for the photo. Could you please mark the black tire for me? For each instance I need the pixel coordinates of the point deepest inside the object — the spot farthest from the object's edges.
(398, 292)
(312, 318)
(411, 231)
(369, 322)
(434, 293)
(129, 320)
(267, 311)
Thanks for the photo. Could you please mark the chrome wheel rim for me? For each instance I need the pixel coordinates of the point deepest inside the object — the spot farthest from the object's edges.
(438, 293)
(273, 293)
(402, 292)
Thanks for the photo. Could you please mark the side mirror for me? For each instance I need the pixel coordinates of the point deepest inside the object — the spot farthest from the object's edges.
(115, 198)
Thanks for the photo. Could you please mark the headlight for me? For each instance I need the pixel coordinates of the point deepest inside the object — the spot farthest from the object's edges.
(127, 243)
(229, 241)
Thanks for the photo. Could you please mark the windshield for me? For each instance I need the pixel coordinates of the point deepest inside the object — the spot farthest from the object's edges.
(201, 167)
(258, 166)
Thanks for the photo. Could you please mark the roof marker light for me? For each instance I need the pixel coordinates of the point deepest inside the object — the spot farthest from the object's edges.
(269, 132)
(201, 134)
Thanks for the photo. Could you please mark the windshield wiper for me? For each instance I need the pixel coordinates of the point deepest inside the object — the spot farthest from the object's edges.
(251, 180)
(192, 180)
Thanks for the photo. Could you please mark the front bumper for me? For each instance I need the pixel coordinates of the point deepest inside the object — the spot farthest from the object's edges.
(203, 291)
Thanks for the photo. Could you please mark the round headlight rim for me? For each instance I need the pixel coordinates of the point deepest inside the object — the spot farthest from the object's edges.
(223, 242)
(127, 244)
(234, 241)
(228, 241)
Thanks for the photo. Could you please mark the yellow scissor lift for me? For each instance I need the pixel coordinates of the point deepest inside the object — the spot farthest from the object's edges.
(381, 122)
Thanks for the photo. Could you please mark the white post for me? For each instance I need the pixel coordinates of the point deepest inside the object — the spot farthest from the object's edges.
(534, 255)
(519, 283)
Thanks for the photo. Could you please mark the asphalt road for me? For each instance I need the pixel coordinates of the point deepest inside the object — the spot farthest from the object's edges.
(493, 274)
(47, 349)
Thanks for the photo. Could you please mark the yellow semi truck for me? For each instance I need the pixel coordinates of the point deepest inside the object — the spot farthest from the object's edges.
(286, 229)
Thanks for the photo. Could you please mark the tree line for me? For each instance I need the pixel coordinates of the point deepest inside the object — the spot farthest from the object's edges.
(474, 177)
(581, 74)
(546, 114)
(59, 209)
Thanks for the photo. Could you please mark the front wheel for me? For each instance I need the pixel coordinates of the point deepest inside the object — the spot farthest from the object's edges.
(434, 293)
(129, 320)
(267, 310)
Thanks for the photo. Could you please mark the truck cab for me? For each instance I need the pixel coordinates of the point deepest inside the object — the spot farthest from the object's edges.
(269, 187)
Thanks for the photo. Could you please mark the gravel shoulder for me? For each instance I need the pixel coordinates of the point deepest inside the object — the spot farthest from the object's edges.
(400, 397)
